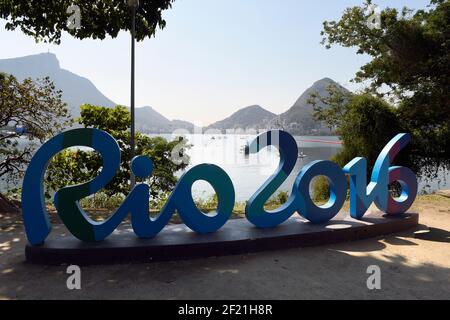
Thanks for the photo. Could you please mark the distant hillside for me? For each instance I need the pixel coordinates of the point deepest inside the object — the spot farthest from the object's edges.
(246, 118)
(298, 119)
(78, 90)
(148, 120)
(184, 125)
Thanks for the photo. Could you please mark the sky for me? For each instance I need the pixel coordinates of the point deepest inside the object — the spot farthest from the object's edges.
(214, 56)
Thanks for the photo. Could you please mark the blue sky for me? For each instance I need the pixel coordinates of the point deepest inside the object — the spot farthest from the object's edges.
(214, 56)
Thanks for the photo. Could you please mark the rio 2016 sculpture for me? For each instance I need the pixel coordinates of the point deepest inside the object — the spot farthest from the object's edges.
(37, 224)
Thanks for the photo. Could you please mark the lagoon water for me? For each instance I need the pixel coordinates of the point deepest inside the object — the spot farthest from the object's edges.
(248, 173)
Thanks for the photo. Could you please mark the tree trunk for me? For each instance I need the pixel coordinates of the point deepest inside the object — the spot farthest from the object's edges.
(9, 206)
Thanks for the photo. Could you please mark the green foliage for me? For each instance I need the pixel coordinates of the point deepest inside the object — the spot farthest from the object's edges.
(410, 66)
(336, 101)
(365, 124)
(45, 20)
(14, 194)
(101, 200)
(368, 124)
(74, 166)
(210, 203)
(37, 107)
(320, 189)
(158, 203)
(282, 197)
(276, 200)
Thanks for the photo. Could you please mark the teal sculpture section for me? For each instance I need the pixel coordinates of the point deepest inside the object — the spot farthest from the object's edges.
(362, 196)
(254, 210)
(136, 204)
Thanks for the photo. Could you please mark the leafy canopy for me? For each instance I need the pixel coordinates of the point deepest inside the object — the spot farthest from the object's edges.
(45, 20)
(74, 166)
(365, 123)
(410, 66)
(34, 107)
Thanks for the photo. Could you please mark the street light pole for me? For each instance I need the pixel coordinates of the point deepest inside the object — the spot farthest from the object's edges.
(133, 4)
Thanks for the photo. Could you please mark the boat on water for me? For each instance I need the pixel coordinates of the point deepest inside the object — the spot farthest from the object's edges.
(302, 155)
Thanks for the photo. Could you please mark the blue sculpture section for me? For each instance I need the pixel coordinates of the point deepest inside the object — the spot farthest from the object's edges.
(362, 196)
(254, 210)
(136, 204)
(338, 189)
(34, 211)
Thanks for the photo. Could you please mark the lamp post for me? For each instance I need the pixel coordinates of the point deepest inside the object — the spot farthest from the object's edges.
(133, 5)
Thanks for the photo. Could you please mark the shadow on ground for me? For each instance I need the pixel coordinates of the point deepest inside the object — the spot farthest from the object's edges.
(409, 270)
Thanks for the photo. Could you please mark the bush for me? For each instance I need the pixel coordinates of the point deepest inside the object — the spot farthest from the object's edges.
(101, 200)
(320, 189)
(75, 166)
(282, 197)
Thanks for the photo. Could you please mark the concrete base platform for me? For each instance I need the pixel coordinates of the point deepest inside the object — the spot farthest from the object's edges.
(236, 237)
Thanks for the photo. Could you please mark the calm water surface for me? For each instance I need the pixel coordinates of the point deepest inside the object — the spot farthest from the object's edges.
(248, 173)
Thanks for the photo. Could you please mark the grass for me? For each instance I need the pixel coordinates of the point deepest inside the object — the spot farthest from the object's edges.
(9, 221)
(99, 207)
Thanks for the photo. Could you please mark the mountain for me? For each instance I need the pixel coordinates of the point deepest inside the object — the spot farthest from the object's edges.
(184, 125)
(148, 120)
(299, 118)
(251, 117)
(77, 90)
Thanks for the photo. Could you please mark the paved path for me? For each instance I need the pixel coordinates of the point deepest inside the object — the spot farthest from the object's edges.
(414, 265)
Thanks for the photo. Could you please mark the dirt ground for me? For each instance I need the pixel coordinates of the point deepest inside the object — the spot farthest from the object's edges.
(414, 265)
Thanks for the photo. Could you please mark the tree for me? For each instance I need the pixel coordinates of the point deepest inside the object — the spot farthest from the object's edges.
(369, 123)
(30, 112)
(335, 101)
(45, 20)
(74, 166)
(410, 66)
(365, 123)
